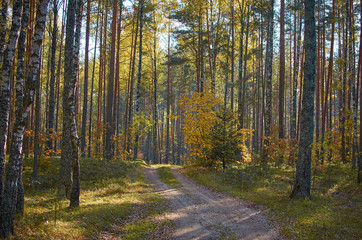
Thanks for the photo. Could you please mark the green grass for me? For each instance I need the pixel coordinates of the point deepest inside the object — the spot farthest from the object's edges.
(166, 176)
(334, 212)
(115, 203)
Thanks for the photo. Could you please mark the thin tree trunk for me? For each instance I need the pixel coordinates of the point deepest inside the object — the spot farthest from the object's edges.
(155, 117)
(268, 73)
(91, 95)
(50, 127)
(85, 86)
(138, 91)
(281, 71)
(110, 91)
(58, 75)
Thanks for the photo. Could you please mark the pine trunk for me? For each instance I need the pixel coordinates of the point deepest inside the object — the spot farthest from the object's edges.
(302, 182)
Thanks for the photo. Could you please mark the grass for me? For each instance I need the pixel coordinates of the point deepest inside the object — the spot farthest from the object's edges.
(115, 203)
(166, 176)
(334, 212)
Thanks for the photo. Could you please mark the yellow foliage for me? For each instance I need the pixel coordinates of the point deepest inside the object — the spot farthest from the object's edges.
(198, 122)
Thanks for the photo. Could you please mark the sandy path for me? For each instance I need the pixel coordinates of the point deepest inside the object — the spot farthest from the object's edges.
(200, 213)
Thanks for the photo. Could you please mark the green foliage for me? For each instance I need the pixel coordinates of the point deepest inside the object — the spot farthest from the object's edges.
(224, 139)
(166, 176)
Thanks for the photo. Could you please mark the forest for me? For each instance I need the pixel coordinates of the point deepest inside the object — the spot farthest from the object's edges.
(119, 116)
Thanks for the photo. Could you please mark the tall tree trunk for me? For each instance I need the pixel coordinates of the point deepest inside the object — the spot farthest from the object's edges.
(352, 72)
(75, 191)
(297, 44)
(91, 95)
(110, 110)
(69, 140)
(281, 71)
(50, 127)
(329, 80)
(241, 81)
(268, 73)
(302, 182)
(13, 176)
(138, 91)
(155, 117)
(232, 56)
(168, 97)
(85, 86)
(58, 75)
(5, 86)
(131, 86)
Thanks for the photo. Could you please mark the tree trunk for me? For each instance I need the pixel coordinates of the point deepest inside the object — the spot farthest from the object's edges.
(302, 182)
(352, 72)
(297, 43)
(138, 93)
(85, 86)
(155, 117)
(50, 127)
(74, 197)
(281, 71)
(5, 86)
(69, 140)
(110, 110)
(13, 176)
(91, 95)
(268, 73)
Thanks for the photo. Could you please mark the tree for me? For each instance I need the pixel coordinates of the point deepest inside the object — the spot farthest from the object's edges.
(52, 75)
(69, 170)
(24, 101)
(110, 110)
(86, 67)
(269, 71)
(302, 182)
(5, 86)
(138, 96)
(281, 71)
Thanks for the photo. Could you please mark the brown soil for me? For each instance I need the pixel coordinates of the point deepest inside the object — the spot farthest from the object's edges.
(199, 213)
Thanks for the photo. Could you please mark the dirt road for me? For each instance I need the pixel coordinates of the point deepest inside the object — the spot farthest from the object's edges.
(199, 213)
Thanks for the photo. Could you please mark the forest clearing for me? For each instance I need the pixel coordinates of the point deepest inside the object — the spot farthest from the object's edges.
(180, 119)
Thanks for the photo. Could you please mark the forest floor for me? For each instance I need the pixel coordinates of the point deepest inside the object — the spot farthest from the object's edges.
(199, 213)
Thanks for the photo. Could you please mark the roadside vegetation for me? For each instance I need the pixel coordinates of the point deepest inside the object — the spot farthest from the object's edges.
(166, 176)
(116, 203)
(333, 212)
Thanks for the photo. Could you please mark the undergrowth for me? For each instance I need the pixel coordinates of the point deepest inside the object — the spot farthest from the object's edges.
(166, 176)
(334, 212)
(115, 203)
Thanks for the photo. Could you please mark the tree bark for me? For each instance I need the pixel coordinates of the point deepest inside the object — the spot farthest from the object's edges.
(85, 86)
(5, 93)
(69, 140)
(302, 182)
(138, 93)
(13, 176)
(110, 86)
(268, 73)
(75, 192)
(50, 127)
(281, 71)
